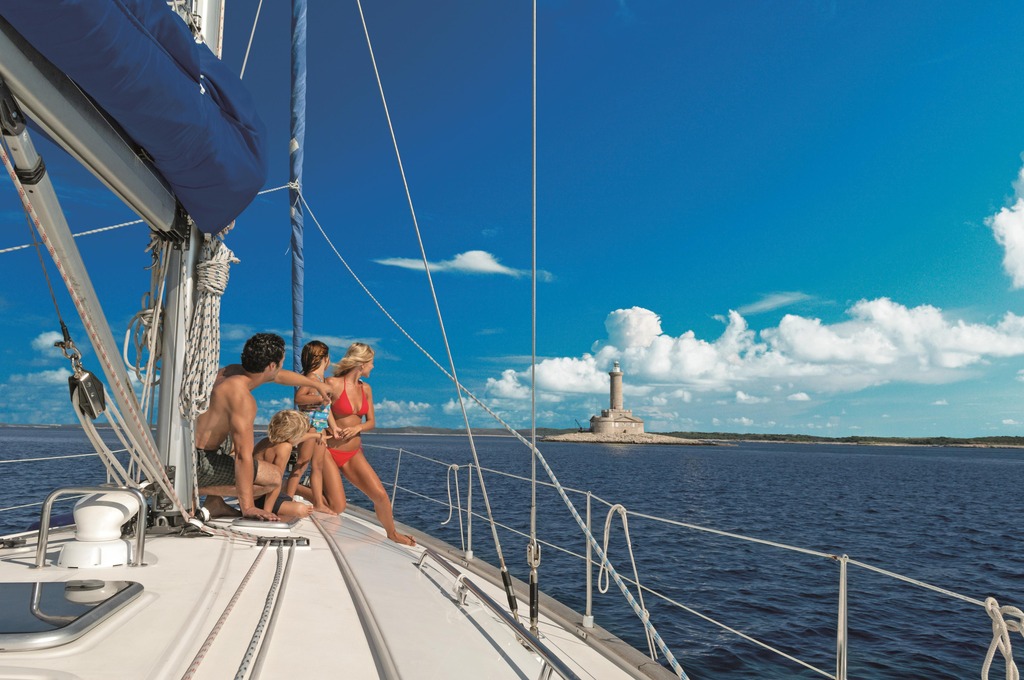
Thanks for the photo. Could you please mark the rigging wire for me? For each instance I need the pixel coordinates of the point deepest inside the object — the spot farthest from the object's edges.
(508, 428)
(505, 576)
(252, 35)
(99, 230)
(533, 547)
(81, 233)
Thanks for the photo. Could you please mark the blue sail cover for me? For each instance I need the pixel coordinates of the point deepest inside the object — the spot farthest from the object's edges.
(139, 62)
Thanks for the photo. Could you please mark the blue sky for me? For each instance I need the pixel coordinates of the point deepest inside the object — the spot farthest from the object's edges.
(794, 217)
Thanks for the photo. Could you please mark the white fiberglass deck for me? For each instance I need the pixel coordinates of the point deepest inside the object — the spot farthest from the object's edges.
(385, 618)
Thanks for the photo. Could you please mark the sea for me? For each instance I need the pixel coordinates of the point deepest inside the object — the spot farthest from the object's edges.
(947, 517)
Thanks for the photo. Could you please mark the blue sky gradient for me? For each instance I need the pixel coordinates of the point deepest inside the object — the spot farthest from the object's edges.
(793, 217)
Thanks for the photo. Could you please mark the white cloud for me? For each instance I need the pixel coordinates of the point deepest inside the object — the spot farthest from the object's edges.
(774, 301)
(940, 402)
(745, 422)
(451, 407)
(469, 262)
(798, 396)
(404, 413)
(508, 386)
(1010, 421)
(744, 398)
(57, 376)
(44, 343)
(1008, 227)
(401, 407)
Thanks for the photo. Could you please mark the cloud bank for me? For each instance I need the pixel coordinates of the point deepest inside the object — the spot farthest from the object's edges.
(1008, 227)
(880, 341)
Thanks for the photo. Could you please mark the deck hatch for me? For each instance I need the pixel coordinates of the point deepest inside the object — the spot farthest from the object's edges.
(41, 615)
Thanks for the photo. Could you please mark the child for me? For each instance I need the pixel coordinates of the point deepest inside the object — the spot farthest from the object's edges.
(286, 430)
(316, 358)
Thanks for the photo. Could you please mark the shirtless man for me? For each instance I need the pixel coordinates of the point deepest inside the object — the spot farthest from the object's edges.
(228, 426)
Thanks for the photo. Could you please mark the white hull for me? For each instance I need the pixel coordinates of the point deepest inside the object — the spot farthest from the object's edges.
(354, 605)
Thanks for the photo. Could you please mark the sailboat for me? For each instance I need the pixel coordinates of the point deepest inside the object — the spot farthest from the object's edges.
(143, 586)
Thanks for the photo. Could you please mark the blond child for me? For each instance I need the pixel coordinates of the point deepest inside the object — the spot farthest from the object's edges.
(287, 429)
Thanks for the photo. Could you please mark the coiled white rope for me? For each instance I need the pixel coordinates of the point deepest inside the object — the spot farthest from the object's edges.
(1005, 620)
(603, 574)
(202, 359)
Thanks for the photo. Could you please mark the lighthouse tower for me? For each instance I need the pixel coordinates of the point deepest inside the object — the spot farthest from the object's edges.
(615, 419)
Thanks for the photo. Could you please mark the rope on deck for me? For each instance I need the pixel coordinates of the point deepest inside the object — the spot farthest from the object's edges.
(201, 654)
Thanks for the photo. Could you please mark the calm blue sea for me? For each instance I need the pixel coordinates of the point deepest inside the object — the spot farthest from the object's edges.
(948, 517)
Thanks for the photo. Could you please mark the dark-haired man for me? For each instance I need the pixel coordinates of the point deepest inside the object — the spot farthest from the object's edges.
(227, 426)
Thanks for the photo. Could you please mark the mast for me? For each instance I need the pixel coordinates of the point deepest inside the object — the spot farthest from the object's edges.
(295, 151)
(175, 440)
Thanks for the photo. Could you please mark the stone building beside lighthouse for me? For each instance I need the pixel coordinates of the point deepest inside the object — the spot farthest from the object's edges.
(615, 419)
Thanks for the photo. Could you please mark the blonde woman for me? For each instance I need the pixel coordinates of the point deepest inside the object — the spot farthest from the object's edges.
(353, 413)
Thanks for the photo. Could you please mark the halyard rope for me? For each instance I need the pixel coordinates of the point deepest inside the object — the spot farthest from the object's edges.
(1005, 620)
(202, 358)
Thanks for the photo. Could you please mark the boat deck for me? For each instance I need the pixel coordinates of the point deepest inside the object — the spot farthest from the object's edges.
(352, 604)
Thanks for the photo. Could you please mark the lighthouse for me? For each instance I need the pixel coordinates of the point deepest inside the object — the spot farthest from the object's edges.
(615, 419)
(616, 396)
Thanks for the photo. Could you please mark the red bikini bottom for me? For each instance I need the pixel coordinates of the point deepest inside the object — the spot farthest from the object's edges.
(342, 457)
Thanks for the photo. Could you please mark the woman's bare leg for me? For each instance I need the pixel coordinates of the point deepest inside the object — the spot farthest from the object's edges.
(361, 474)
(325, 479)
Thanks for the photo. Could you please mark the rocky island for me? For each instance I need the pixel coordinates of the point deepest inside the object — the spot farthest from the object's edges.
(618, 425)
(626, 438)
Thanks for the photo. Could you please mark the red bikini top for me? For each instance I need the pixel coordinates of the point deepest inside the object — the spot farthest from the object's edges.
(341, 406)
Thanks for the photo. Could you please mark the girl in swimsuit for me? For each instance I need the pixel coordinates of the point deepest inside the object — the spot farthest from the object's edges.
(315, 359)
(354, 404)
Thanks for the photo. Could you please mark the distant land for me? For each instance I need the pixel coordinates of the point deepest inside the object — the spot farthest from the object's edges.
(975, 442)
(969, 442)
